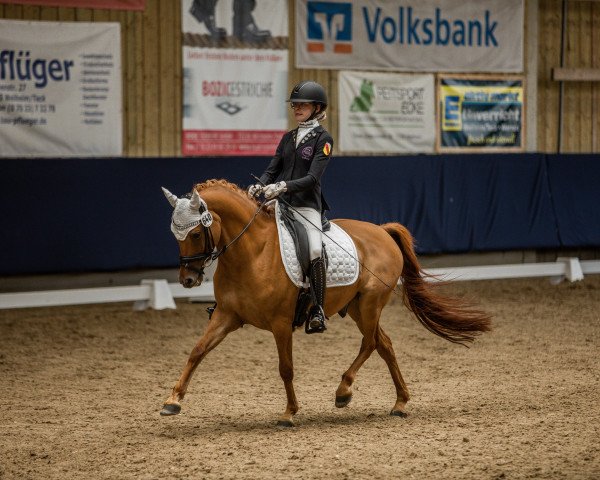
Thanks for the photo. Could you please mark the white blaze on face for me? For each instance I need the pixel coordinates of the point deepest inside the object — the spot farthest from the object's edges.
(186, 214)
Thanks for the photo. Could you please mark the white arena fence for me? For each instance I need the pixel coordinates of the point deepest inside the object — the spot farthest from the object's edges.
(159, 294)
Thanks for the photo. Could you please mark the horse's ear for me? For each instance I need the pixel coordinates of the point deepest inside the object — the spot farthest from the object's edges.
(196, 201)
(170, 197)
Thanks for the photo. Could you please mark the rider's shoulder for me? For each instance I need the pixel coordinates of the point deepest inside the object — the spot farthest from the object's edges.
(324, 134)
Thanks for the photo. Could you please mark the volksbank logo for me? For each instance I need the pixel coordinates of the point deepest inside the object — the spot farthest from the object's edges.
(329, 27)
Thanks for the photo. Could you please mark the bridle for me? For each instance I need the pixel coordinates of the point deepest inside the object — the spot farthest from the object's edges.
(210, 255)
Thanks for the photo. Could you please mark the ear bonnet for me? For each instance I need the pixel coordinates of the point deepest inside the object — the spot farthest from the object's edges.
(188, 213)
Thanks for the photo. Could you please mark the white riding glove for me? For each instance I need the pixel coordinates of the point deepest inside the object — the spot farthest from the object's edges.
(255, 190)
(274, 189)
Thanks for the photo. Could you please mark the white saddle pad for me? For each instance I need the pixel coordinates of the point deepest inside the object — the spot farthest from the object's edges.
(342, 256)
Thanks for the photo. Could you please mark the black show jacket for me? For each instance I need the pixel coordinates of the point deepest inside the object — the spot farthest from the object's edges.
(301, 168)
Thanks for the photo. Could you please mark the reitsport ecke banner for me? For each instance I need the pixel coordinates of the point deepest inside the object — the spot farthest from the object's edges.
(386, 112)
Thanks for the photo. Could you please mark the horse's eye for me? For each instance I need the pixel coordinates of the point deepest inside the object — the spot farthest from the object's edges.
(196, 236)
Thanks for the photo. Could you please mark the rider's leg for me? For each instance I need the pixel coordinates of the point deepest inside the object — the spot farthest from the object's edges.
(316, 320)
(317, 275)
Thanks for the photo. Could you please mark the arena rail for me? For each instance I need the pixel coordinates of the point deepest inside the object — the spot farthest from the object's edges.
(159, 294)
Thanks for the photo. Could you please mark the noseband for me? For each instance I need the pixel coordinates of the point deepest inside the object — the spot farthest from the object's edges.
(210, 255)
(206, 257)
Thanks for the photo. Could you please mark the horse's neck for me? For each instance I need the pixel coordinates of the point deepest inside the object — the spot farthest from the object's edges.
(235, 215)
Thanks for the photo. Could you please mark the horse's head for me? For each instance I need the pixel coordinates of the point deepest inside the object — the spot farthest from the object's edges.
(198, 233)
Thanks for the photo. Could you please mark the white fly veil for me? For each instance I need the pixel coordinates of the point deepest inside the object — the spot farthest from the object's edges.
(187, 213)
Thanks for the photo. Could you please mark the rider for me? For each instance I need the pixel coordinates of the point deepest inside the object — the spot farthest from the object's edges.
(295, 174)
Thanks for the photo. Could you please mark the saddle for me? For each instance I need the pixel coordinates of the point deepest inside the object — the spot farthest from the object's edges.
(300, 238)
(339, 252)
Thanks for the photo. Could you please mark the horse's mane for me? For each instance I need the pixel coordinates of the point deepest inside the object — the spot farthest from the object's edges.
(222, 182)
(230, 186)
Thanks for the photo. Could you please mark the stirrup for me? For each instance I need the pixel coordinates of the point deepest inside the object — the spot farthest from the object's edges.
(316, 321)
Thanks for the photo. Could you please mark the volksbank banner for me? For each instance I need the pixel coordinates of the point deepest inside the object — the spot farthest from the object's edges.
(60, 89)
(481, 114)
(386, 112)
(410, 35)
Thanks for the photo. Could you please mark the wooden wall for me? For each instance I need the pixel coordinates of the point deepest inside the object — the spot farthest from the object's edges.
(152, 82)
(581, 100)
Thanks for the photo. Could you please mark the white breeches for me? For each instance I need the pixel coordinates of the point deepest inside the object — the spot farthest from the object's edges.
(313, 228)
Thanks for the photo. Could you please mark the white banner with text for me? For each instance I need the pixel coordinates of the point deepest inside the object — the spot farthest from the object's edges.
(409, 35)
(235, 70)
(386, 112)
(60, 89)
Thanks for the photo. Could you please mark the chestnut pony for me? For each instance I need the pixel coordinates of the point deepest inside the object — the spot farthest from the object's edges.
(386, 255)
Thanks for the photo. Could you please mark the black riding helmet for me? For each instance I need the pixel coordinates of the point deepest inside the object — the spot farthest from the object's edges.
(309, 91)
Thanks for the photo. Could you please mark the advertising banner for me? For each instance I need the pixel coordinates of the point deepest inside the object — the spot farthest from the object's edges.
(235, 70)
(386, 112)
(481, 114)
(60, 89)
(100, 4)
(410, 35)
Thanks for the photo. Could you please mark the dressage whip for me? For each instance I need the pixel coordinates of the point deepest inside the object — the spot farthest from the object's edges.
(393, 289)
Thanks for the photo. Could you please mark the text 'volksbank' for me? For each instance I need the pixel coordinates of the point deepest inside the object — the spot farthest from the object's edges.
(412, 29)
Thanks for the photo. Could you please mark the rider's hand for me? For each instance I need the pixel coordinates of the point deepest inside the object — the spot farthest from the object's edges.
(274, 189)
(255, 190)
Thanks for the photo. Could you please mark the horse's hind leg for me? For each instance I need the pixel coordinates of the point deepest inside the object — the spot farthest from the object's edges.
(386, 351)
(365, 312)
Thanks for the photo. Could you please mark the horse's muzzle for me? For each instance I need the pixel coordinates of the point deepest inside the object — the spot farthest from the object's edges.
(189, 278)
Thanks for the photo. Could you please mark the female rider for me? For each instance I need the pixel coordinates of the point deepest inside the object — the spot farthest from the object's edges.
(295, 174)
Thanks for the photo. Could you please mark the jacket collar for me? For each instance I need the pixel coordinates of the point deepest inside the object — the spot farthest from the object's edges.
(309, 136)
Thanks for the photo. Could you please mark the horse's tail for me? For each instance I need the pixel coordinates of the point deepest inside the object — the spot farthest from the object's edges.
(450, 318)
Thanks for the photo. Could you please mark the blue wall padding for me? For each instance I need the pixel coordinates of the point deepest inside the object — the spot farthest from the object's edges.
(76, 215)
(575, 188)
(450, 203)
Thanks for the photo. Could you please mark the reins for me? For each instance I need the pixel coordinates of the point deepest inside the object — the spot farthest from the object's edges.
(210, 255)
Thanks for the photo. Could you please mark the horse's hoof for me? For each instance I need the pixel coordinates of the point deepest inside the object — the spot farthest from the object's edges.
(341, 402)
(398, 413)
(285, 423)
(170, 409)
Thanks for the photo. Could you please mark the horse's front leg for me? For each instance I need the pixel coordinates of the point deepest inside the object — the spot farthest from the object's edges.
(219, 326)
(283, 339)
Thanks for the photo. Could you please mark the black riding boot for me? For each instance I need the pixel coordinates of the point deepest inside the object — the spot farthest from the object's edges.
(244, 28)
(316, 318)
(204, 12)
